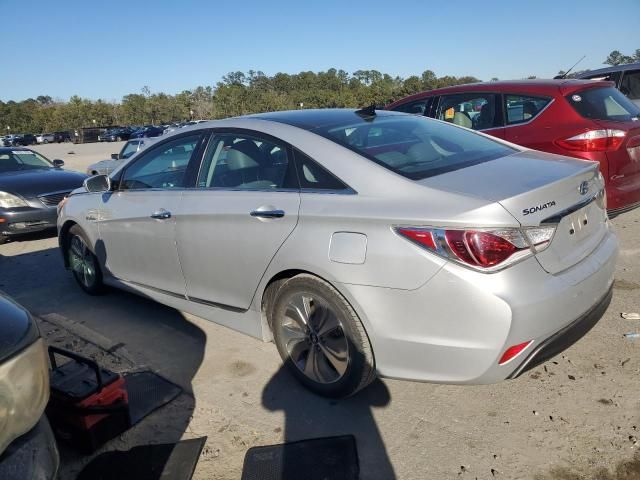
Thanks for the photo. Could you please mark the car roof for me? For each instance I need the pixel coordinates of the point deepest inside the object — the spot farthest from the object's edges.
(14, 149)
(539, 86)
(615, 68)
(315, 118)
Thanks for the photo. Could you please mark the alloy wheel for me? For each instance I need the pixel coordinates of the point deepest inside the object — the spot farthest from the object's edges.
(314, 338)
(82, 261)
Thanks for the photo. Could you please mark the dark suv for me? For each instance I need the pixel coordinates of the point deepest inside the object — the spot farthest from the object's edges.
(626, 78)
(586, 119)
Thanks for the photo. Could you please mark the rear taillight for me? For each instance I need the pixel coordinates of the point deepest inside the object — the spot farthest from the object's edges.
(485, 250)
(594, 140)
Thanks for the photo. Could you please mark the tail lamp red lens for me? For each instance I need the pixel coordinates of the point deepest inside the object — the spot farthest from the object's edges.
(512, 352)
(475, 248)
(594, 140)
(423, 237)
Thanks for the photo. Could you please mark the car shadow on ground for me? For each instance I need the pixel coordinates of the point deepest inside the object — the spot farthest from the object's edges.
(154, 337)
(310, 416)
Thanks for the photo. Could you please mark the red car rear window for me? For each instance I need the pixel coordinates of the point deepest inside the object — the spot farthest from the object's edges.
(605, 103)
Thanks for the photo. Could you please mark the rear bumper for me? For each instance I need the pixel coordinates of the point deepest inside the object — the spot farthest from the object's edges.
(455, 328)
(27, 220)
(33, 456)
(565, 337)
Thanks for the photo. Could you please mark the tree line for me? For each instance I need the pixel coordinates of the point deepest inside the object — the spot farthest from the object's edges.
(237, 93)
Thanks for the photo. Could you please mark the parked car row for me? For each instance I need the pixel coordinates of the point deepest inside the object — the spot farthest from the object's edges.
(146, 131)
(26, 139)
(18, 139)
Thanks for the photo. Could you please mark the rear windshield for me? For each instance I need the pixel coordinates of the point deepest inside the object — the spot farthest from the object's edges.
(603, 104)
(415, 147)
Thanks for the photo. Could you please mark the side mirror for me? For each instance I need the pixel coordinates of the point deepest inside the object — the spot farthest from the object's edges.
(115, 156)
(97, 184)
(57, 163)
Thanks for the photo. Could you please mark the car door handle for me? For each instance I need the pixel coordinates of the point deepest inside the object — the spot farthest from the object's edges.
(267, 213)
(161, 214)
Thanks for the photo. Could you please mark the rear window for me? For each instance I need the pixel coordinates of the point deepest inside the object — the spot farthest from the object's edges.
(415, 147)
(603, 104)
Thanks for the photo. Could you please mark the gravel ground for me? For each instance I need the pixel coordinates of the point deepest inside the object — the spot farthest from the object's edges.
(574, 417)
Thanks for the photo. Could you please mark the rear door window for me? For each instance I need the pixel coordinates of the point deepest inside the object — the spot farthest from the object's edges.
(605, 103)
(523, 108)
(471, 110)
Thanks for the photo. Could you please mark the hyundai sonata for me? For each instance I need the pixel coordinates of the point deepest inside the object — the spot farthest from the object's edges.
(362, 242)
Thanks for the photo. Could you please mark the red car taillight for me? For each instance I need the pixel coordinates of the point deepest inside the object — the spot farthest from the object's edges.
(485, 250)
(594, 140)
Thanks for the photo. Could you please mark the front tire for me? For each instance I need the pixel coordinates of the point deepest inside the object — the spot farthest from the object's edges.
(83, 262)
(320, 338)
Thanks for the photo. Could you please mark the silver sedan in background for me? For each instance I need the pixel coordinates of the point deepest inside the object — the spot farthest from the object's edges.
(128, 150)
(362, 242)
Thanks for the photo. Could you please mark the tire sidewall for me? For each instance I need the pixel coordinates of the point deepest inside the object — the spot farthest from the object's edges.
(351, 379)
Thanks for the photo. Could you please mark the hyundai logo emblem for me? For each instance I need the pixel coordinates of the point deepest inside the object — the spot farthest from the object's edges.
(583, 188)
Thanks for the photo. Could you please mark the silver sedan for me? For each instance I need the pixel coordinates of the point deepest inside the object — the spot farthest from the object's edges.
(360, 242)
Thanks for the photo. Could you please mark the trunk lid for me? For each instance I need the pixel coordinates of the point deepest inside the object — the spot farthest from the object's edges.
(539, 188)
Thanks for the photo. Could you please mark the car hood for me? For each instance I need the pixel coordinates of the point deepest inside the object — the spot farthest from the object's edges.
(31, 183)
(17, 328)
(108, 163)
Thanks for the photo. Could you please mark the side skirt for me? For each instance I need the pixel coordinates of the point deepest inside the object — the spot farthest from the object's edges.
(248, 322)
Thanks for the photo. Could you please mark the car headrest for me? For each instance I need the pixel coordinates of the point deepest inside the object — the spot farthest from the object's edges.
(244, 154)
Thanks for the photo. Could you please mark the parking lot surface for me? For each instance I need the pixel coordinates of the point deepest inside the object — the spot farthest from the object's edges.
(569, 418)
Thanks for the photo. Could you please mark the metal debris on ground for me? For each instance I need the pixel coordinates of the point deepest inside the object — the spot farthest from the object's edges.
(630, 316)
(631, 335)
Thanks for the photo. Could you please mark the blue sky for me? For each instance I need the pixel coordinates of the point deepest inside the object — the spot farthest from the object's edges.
(108, 49)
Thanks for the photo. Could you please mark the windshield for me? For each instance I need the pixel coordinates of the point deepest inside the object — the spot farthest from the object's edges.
(129, 149)
(604, 104)
(415, 147)
(22, 160)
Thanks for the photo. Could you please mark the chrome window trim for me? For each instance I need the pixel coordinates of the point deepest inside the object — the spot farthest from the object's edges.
(345, 191)
(506, 125)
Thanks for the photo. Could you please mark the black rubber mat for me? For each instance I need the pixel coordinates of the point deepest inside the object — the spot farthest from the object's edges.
(147, 392)
(173, 461)
(331, 458)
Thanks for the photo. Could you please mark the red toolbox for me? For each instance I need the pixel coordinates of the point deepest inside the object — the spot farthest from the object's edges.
(88, 404)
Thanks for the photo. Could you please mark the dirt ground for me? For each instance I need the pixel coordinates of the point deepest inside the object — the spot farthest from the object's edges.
(575, 417)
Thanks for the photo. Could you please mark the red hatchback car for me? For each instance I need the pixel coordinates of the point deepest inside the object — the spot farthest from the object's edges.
(580, 118)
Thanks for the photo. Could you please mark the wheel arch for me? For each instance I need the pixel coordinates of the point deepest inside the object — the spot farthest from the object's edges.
(272, 286)
(63, 240)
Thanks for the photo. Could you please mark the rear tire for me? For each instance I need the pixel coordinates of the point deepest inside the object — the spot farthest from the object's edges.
(83, 262)
(320, 338)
